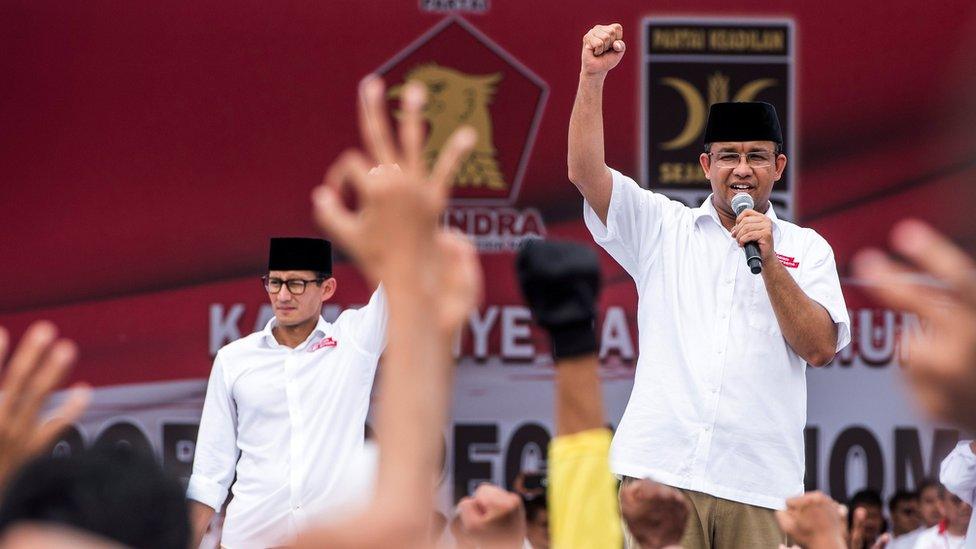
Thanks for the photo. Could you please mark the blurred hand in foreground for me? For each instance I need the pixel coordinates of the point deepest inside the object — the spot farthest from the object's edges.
(35, 368)
(814, 521)
(493, 518)
(937, 282)
(655, 514)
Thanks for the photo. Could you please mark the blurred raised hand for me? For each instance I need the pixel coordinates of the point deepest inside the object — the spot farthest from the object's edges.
(814, 521)
(400, 204)
(432, 279)
(493, 518)
(655, 514)
(937, 282)
(35, 368)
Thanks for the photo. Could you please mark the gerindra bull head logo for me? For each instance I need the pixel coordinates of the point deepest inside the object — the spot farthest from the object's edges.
(473, 81)
(455, 99)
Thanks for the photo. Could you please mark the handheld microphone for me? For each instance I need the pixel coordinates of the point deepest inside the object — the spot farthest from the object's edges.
(740, 203)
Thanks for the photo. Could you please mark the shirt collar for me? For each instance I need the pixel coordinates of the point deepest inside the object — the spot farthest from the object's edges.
(267, 336)
(707, 209)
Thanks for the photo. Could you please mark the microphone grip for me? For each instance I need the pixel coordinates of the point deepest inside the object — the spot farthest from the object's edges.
(753, 259)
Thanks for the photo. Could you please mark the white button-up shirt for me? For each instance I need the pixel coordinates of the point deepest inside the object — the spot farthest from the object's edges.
(719, 398)
(289, 423)
(958, 474)
(937, 538)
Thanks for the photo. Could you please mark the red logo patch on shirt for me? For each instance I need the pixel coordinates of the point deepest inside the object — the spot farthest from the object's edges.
(789, 262)
(327, 342)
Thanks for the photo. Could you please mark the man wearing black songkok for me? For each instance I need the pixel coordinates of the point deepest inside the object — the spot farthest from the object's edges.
(719, 399)
(284, 415)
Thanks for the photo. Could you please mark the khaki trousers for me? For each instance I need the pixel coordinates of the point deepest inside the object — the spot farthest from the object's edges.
(723, 524)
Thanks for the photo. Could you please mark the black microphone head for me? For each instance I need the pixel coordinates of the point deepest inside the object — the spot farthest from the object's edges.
(742, 202)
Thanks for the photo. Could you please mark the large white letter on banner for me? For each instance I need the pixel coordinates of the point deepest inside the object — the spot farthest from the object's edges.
(223, 329)
(615, 336)
(480, 328)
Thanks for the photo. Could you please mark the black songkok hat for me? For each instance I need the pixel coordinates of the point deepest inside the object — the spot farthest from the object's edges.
(300, 254)
(746, 121)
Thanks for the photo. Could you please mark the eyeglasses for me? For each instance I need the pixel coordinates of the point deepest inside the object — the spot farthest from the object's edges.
(296, 286)
(753, 159)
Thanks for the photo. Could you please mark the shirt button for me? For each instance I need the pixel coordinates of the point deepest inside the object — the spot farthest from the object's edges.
(724, 315)
(720, 351)
(714, 390)
(707, 428)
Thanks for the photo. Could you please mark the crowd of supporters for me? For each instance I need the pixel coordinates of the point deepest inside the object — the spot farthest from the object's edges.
(110, 496)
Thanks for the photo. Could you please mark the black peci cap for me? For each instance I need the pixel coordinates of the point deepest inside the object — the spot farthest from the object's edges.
(300, 254)
(747, 121)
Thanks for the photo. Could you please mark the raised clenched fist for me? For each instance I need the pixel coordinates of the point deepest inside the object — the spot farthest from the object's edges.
(493, 518)
(603, 48)
(813, 520)
(655, 514)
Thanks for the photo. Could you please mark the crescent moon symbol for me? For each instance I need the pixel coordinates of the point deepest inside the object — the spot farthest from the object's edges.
(752, 89)
(696, 114)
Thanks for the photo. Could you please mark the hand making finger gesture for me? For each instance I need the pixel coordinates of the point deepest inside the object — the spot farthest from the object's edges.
(432, 280)
(400, 203)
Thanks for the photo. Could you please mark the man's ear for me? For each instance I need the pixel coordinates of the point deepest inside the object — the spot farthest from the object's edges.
(706, 162)
(328, 289)
(780, 166)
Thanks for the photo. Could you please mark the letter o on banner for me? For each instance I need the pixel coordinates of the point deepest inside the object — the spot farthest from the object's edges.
(528, 434)
(855, 437)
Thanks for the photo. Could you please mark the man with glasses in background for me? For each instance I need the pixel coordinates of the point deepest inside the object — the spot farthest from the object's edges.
(719, 399)
(285, 410)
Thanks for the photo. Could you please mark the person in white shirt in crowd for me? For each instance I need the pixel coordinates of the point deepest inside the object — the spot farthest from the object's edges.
(906, 519)
(283, 420)
(958, 472)
(719, 399)
(928, 502)
(958, 475)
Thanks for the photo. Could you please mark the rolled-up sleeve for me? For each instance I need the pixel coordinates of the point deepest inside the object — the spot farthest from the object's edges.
(958, 472)
(821, 283)
(635, 220)
(369, 323)
(216, 452)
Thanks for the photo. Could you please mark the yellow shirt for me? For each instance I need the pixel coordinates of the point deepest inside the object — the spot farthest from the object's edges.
(583, 506)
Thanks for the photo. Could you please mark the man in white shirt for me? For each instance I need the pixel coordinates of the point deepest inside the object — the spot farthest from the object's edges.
(906, 520)
(283, 420)
(928, 502)
(958, 527)
(719, 399)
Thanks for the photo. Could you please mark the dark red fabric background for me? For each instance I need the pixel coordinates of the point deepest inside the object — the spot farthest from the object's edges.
(150, 149)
